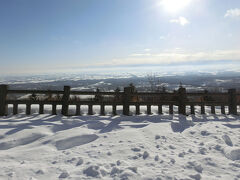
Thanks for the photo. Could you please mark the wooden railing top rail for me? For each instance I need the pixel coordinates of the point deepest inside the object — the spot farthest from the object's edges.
(94, 93)
(111, 93)
(82, 102)
(34, 92)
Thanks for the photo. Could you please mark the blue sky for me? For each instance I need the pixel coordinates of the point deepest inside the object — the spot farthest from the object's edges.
(79, 35)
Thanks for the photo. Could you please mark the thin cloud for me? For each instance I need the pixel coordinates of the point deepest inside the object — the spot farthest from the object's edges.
(147, 49)
(180, 20)
(175, 56)
(232, 13)
(168, 57)
(141, 54)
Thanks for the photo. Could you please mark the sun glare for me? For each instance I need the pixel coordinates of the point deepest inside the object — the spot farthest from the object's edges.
(174, 6)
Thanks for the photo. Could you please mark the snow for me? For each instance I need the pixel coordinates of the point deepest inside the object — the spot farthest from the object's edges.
(227, 140)
(120, 147)
(232, 153)
(75, 141)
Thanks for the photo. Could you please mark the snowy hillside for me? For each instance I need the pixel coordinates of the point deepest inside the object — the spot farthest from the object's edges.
(106, 147)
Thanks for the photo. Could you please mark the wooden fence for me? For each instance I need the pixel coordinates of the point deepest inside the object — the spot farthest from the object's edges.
(129, 97)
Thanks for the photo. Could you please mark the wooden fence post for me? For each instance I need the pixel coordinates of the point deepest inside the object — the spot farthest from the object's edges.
(181, 100)
(192, 109)
(28, 109)
(65, 100)
(232, 101)
(126, 100)
(114, 110)
(116, 100)
(149, 109)
(78, 110)
(213, 109)
(15, 108)
(202, 108)
(102, 111)
(54, 109)
(159, 109)
(171, 109)
(3, 98)
(90, 109)
(223, 109)
(41, 108)
(137, 109)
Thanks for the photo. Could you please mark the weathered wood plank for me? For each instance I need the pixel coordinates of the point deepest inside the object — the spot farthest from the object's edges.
(34, 92)
(3, 98)
(181, 99)
(78, 110)
(102, 111)
(54, 109)
(28, 109)
(137, 109)
(223, 109)
(41, 108)
(202, 109)
(192, 109)
(171, 109)
(149, 109)
(90, 109)
(126, 100)
(213, 110)
(65, 100)
(15, 109)
(160, 109)
(232, 101)
(114, 110)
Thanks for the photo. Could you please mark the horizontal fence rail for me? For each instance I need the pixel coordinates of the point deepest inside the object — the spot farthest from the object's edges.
(128, 97)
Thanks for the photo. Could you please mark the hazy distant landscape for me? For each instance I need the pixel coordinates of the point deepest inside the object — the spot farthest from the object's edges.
(219, 81)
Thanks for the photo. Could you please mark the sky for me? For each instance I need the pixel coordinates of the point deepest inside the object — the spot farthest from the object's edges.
(42, 36)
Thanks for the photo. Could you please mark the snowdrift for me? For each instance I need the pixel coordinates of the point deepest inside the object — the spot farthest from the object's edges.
(106, 147)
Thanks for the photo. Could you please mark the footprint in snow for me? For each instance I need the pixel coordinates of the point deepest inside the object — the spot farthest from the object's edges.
(145, 155)
(92, 171)
(40, 172)
(80, 162)
(196, 176)
(227, 140)
(136, 149)
(205, 133)
(63, 175)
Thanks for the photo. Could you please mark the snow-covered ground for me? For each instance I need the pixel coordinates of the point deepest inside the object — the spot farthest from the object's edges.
(119, 147)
